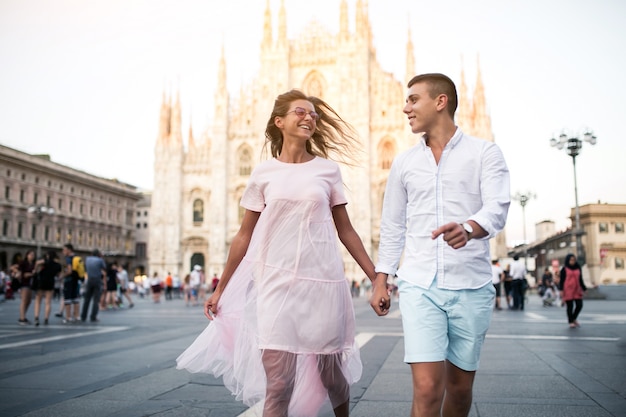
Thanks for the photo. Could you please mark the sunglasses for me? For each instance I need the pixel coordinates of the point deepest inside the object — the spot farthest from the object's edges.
(300, 112)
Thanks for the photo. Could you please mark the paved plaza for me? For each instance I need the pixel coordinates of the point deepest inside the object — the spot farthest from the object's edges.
(124, 366)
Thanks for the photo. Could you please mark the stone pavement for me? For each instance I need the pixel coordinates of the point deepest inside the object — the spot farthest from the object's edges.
(124, 366)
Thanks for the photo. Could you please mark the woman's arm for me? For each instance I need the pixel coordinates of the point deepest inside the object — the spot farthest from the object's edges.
(237, 251)
(380, 301)
(352, 241)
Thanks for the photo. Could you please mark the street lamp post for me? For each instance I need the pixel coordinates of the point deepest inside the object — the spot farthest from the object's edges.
(523, 199)
(39, 211)
(573, 145)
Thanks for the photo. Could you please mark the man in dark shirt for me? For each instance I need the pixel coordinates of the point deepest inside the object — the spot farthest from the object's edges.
(96, 274)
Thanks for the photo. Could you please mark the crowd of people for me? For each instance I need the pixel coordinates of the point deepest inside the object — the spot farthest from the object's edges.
(565, 288)
(67, 279)
(83, 288)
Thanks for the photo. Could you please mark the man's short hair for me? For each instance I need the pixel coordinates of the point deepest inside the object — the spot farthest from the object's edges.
(69, 246)
(439, 84)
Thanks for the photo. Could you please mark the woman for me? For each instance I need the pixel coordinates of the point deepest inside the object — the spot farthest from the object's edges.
(283, 323)
(49, 268)
(155, 287)
(572, 289)
(111, 288)
(26, 272)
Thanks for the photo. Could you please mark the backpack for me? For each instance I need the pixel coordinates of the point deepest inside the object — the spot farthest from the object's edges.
(78, 267)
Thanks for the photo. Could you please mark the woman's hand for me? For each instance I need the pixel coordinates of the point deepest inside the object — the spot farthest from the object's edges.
(210, 305)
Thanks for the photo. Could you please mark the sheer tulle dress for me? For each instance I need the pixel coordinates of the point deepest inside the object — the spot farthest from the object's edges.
(289, 294)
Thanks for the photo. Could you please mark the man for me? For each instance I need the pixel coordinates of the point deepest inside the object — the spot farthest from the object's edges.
(96, 281)
(169, 285)
(122, 278)
(518, 273)
(445, 197)
(73, 272)
(497, 274)
(195, 283)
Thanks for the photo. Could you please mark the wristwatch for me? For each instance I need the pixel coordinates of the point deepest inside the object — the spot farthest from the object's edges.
(468, 229)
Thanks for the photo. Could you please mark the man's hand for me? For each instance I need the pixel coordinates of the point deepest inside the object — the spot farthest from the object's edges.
(380, 300)
(453, 234)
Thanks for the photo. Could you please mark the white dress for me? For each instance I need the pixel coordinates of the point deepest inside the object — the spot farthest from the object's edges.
(288, 294)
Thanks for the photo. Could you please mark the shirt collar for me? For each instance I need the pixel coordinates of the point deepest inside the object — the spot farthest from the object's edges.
(458, 134)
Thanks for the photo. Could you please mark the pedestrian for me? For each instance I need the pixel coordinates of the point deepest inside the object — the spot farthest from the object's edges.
(111, 286)
(156, 286)
(169, 285)
(508, 284)
(96, 281)
(26, 270)
(283, 322)
(187, 290)
(445, 198)
(73, 272)
(49, 268)
(572, 289)
(518, 283)
(550, 293)
(194, 284)
(497, 274)
(122, 278)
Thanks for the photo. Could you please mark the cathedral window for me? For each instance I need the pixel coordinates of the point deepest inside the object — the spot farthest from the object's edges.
(386, 153)
(245, 162)
(198, 211)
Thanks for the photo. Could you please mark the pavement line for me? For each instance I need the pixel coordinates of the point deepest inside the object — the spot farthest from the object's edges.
(536, 316)
(540, 337)
(62, 337)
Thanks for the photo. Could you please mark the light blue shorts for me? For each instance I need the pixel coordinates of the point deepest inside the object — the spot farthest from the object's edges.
(445, 324)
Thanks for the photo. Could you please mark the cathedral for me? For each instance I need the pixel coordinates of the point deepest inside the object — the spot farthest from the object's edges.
(195, 208)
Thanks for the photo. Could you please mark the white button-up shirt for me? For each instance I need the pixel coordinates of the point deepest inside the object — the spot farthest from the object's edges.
(471, 182)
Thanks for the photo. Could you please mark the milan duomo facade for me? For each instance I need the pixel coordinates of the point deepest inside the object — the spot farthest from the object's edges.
(197, 187)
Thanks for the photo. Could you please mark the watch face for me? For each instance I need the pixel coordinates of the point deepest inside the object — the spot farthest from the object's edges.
(468, 228)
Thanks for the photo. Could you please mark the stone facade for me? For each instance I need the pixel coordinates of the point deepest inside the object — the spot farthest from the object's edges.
(87, 211)
(603, 240)
(197, 187)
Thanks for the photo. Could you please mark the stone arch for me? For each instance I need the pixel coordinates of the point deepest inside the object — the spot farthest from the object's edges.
(386, 151)
(314, 84)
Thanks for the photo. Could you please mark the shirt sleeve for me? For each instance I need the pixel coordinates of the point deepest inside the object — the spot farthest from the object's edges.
(393, 222)
(253, 198)
(337, 194)
(495, 192)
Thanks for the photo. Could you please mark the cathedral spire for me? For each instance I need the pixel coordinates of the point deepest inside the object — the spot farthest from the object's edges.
(221, 74)
(267, 27)
(343, 20)
(479, 101)
(282, 25)
(464, 112)
(481, 119)
(191, 142)
(164, 122)
(176, 137)
(410, 59)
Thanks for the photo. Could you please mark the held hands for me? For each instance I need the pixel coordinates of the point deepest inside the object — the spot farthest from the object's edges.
(380, 300)
(453, 234)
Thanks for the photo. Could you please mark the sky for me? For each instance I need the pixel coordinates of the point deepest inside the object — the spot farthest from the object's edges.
(83, 81)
